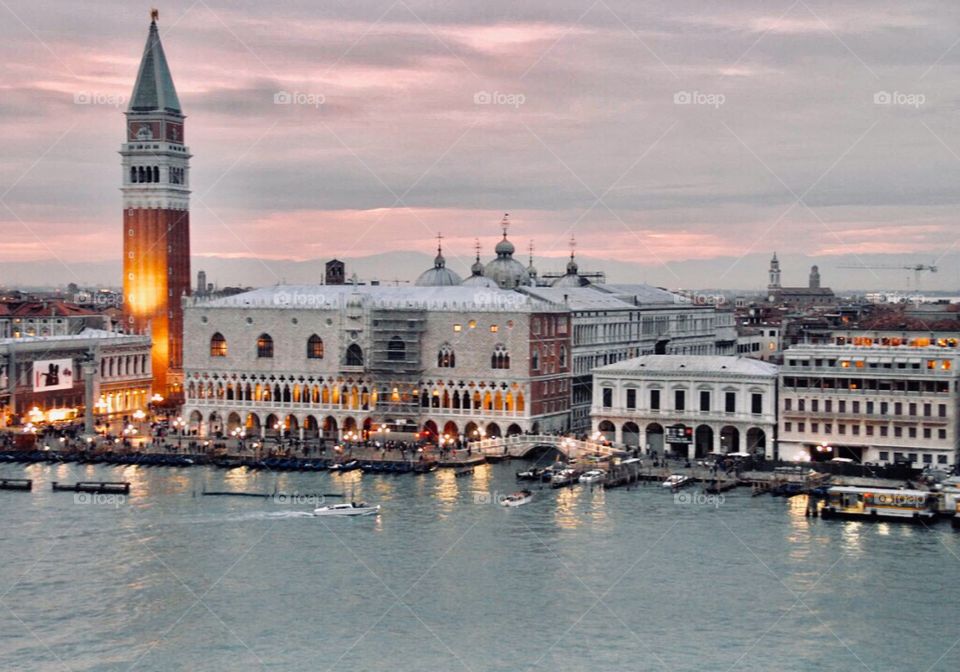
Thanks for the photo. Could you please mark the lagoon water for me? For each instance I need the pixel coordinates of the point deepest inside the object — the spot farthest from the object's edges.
(447, 580)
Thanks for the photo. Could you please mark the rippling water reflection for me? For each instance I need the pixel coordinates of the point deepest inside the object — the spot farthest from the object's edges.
(446, 579)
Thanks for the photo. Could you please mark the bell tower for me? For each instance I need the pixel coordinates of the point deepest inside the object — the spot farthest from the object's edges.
(156, 215)
(774, 273)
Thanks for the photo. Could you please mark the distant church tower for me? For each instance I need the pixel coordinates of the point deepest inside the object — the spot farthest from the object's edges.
(774, 282)
(156, 215)
(814, 277)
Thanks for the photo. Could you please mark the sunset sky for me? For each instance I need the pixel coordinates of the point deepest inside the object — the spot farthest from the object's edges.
(787, 141)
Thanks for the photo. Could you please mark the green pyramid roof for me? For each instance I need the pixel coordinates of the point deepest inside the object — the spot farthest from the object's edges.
(154, 90)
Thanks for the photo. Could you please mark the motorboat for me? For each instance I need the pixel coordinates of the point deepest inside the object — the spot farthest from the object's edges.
(563, 477)
(532, 474)
(351, 509)
(593, 476)
(345, 466)
(676, 481)
(517, 498)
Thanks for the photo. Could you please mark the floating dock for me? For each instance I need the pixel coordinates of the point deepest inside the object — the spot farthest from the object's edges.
(95, 487)
(21, 484)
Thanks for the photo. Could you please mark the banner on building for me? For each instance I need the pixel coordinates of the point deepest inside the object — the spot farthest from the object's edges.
(52, 374)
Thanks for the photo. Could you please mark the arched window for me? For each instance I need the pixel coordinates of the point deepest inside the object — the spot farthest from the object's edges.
(133, 174)
(140, 175)
(446, 359)
(500, 358)
(156, 173)
(314, 347)
(264, 346)
(218, 345)
(396, 350)
(535, 359)
(354, 355)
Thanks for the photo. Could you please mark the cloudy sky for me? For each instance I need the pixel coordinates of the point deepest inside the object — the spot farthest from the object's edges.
(654, 132)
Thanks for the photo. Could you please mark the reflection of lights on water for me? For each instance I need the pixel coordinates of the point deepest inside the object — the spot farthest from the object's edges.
(446, 488)
(565, 514)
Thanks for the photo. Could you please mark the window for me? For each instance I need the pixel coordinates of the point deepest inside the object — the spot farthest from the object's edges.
(679, 400)
(494, 328)
(655, 400)
(788, 404)
(446, 358)
(354, 355)
(756, 403)
(314, 347)
(884, 456)
(730, 402)
(396, 350)
(884, 431)
(218, 345)
(898, 432)
(898, 408)
(500, 359)
(631, 398)
(941, 433)
(264, 346)
(912, 432)
(607, 397)
(563, 356)
(927, 458)
(704, 400)
(535, 359)
(815, 405)
(869, 408)
(942, 410)
(927, 433)
(869, 430)
(457, 327)
(788, 426)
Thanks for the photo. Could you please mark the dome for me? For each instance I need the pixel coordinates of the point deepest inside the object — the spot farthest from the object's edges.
(504, 247)
(480, 281)
(569, 280)
(439, 275)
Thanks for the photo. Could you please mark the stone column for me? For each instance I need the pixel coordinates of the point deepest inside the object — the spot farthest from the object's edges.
(89, 397)
(717, 446)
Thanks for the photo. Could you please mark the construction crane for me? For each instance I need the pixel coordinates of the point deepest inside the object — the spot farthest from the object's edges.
(916, 268)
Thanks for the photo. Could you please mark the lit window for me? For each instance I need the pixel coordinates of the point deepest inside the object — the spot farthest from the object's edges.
(472, 324)
(458, 327)
(494, 328)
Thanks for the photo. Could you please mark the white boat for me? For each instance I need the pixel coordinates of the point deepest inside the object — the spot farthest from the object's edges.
(563, 476)
(675, 481)
(593, 476)
(352, 509)
(517, 499)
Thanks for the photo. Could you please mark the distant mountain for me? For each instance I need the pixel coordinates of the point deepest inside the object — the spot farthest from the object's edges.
(748, 274)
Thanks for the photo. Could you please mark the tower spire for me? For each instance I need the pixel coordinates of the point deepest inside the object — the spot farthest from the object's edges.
(154, 90)
(505, 224)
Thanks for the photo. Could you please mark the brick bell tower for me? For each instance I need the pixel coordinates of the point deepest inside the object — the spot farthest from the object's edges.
(156, 215)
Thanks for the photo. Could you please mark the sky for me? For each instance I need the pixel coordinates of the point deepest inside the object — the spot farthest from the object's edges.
(654, 133)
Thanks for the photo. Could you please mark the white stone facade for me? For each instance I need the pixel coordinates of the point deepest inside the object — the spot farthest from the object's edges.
(727, 403)
(453, 361)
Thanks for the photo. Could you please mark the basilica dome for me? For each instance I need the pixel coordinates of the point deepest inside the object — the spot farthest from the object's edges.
(439, 275)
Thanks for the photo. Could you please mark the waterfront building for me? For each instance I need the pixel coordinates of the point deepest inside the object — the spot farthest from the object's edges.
(688, 405)
(893, 398)
(761, 341)
(321, 360)
(615, 322)
(156, 215)
(42, 378)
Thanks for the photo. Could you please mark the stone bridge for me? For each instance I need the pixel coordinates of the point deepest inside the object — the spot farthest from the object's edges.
(519, 445)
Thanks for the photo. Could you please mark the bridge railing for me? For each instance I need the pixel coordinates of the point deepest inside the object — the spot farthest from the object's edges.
(520, 444)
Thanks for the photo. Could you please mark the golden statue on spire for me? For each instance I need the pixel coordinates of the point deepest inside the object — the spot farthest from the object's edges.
(154, 15)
